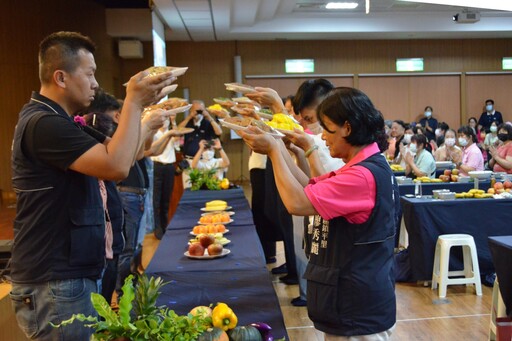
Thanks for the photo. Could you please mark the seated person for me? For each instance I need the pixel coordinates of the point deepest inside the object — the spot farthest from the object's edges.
(501, 160)
(403, 146)
(491, 139)
(448, 151)
(419, 161)
(205, 160)
(472, 159)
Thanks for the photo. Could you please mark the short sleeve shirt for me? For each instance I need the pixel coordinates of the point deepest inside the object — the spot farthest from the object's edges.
(348, 192)
(503, 152)
(472, 157)
(426, 163)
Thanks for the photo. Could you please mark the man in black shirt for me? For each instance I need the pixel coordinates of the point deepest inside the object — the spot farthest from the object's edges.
(205, 128)
(59, 229)
(488, 116)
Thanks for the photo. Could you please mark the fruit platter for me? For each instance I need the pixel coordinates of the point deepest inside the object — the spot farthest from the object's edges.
(216, 218)
(210, 228)
(218, 238)
(207, 246)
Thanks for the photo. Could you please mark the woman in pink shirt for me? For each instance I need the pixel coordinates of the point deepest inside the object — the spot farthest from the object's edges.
(502, 156)
(472, 158)
(350, 290)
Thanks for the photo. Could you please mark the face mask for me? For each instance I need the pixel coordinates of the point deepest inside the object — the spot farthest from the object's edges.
(208, 154)
(428, 114)
(503, 137)
(488, 107)
(450, 142)
(413, 148)
(438, 132)
(463, 142)
(407, 138)
(315, 128)
(199, 117)
(494, 129)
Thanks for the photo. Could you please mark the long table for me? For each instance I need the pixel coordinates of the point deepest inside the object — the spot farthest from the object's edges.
(425, 219)
(428, 187)
(501, 250)
(240, 279)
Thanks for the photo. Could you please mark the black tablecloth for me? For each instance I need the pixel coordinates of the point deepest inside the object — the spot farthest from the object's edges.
(428, 187)
(239, 279)
(426, 219)
(189, 211)
(501, 250)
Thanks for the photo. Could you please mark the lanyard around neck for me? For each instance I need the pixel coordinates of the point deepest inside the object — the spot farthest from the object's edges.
(49, 106)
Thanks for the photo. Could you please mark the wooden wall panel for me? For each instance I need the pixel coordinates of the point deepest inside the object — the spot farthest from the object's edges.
(389, 95)
(23, 26)
(482, 87)
(442, 93)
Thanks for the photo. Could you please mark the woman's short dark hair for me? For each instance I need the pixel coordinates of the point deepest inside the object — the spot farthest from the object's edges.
(466, 130)
(310, 92)
(348, 104)
(429, 107)
(416, 128)
(472, 118)
(489, 101)
(443, 126)
(401, 123)
(59, 51)
(103, 102)
(419, 139)
(508, 128)
(101, 122)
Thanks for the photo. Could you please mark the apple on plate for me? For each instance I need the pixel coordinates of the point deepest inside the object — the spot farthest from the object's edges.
(206, 239)
(448, 172)
(196, 249)
(455, 178)
(498, 185)
(507, 184)
(215, 249)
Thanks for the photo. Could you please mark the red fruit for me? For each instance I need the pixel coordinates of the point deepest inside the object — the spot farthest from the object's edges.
(206, 239)
(498, 185)
(215, 249)
(196, 249)
(448, 172)
(507, 184)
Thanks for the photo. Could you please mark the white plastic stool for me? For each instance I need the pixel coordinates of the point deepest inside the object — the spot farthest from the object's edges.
(441, 274)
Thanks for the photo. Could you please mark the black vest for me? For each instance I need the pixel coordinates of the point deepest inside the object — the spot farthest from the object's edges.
(59, 229)
(351, 288)
(116, 215)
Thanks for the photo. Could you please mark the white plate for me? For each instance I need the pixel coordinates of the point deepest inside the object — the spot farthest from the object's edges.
(224, 242)
(235, 127)
(245, 100)
(223, 223)
(238, 87)
(204, 209)
(267, 116)
(196, 234)
(178, 71)
(207, 256)
(181, 131)
(212, 213)
(180, 109)
(170, 88)
(482, 175)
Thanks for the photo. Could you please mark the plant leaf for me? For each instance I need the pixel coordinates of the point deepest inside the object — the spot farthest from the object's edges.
(103, 308)
(125, 303)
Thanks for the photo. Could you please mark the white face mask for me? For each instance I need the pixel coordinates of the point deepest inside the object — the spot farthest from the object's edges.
(488, 107)
(413, 148)
(450, 142)
(315, 128)
(407, 138)
(494, 129)
(428, 114)
(438, 132)
(463, 142)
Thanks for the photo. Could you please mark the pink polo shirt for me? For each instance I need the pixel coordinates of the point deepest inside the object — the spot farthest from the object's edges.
(472, 157)
(348, 192)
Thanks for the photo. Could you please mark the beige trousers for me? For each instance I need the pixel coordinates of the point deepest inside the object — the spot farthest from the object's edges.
(382, 336)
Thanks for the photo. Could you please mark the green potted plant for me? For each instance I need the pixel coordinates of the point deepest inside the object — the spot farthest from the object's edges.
(139, 318)
(203, 179)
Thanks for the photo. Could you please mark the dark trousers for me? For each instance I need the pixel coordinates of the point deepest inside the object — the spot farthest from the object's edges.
(263, 225)
(278, 215)
(108, 281)
(163, 184)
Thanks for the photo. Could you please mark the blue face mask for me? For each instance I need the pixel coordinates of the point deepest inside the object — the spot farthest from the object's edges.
(488, 107)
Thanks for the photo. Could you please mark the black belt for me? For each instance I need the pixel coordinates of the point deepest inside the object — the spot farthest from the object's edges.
(136, 190)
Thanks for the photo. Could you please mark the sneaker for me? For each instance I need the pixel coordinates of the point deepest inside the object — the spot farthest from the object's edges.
(289, 279)
(488, 280)
(299, 302)
(281, 269)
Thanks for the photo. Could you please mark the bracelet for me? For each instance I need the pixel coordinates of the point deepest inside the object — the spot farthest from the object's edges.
(310, 150)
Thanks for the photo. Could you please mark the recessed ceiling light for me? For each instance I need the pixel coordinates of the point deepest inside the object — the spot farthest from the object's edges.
(341, 5)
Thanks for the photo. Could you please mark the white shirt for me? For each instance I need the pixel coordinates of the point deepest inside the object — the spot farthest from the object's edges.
(258, 161)
(168, 156)
(203, 164)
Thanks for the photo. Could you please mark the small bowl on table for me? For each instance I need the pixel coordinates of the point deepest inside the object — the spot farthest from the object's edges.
(480, 175)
